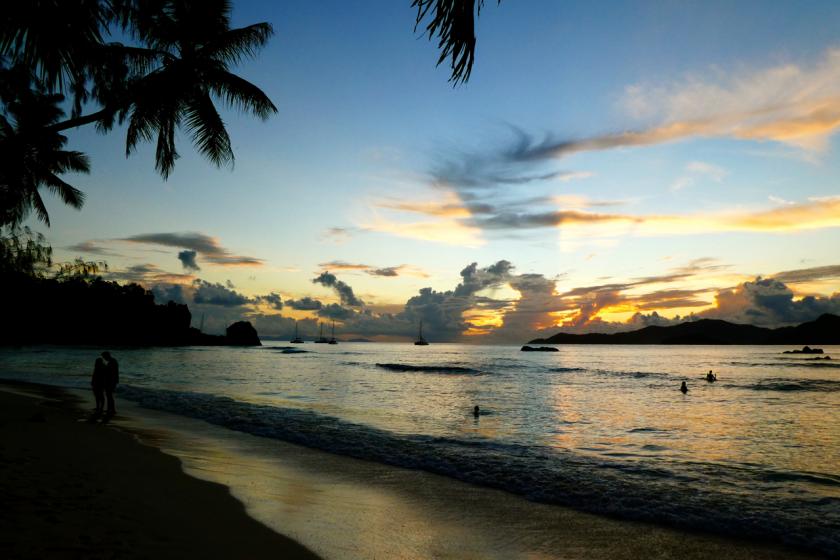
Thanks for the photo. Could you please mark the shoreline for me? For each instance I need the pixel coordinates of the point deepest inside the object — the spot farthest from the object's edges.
(74, 489)
(343, 507)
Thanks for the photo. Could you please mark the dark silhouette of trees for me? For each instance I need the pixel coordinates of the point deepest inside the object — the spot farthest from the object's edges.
(32, 157)
(170, 79)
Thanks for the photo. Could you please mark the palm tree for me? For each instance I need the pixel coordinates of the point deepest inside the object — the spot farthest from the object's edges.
(189, 49)
(32, 158)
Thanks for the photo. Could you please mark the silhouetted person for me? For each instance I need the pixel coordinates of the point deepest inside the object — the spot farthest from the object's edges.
(684, 388)
(97, 383)
(476, 411)
(711, 377)
(112, 378)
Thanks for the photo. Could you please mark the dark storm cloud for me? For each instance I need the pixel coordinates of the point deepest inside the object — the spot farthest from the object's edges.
(187, 259)
(208, 247)
(344, 291)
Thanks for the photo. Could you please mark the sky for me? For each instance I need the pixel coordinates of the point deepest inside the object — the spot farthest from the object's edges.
(608, 166)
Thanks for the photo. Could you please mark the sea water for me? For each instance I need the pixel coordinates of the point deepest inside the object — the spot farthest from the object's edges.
(600, 428)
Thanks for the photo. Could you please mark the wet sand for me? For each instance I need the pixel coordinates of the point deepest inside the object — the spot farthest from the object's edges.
(73, 489)
(338, 507)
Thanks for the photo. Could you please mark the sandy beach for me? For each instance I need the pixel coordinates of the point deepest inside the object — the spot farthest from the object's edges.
(72, 489)
(78, 490)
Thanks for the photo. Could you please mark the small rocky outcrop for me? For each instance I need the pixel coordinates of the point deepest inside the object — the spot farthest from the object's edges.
(805, 350)
(539, 349)
(242, 333)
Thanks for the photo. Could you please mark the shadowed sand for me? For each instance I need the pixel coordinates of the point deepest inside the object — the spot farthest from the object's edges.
(339, 507)
(72, 489)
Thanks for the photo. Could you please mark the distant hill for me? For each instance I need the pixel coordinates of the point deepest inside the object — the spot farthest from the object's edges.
(824, 330)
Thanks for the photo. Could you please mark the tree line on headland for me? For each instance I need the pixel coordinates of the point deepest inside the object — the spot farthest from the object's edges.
(73, 304)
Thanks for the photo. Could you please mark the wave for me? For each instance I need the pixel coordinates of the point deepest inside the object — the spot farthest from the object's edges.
(633, 374)
(636, 488)
(776, 384)
(566, 369)
(791, 362)
(458, 370)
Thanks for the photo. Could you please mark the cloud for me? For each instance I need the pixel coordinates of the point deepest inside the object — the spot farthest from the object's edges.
(801, 216)
(147, 274)
(344, 291)
(165, 293)
(92, 247)
(813, 274)
(335, 311)
(387, 271)
(789, 103)
(304, 304)
(209, 293)
(769, 302)
(272, 299)
(339, 235)
(206, 246)
(187, 259)
(695, 170)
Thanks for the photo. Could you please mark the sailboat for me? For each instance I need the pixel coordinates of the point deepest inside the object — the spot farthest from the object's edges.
(332, 338)
(420, 340)
(321, 339)
(297, 339)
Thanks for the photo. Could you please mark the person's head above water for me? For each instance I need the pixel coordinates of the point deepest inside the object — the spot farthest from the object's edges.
(683, 387)
(476, 411)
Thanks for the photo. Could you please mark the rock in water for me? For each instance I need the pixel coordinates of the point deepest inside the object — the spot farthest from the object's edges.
(539, 349)
(242, 333)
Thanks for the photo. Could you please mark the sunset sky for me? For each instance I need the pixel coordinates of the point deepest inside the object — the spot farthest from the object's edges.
(608, 165)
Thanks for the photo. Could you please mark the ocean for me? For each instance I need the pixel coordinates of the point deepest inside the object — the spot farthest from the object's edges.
(603, 429)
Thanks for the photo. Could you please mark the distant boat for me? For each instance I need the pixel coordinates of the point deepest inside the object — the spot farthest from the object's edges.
(332, 339)
(297, 339)
(420, 340)
(321, 339)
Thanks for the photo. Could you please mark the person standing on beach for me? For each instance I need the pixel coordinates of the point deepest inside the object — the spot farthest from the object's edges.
(112, 378)
(97, 383)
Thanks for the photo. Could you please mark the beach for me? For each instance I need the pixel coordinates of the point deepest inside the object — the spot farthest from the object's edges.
(81, 490)
(73, 489)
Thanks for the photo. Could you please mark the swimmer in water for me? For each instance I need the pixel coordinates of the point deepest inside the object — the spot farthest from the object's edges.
(476, 411)
(711, 377)
(683, 388)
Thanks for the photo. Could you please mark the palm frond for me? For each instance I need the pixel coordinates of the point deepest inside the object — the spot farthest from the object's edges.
(37, 204)
(208, 131)
(166, 154)
(64, 161)
(236, 44)
(453, 23)
(240, 94)
(70, 195)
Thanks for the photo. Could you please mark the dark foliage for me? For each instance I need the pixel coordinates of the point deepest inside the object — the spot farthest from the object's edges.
(453, 23)
(88, 310)
(171, 78)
